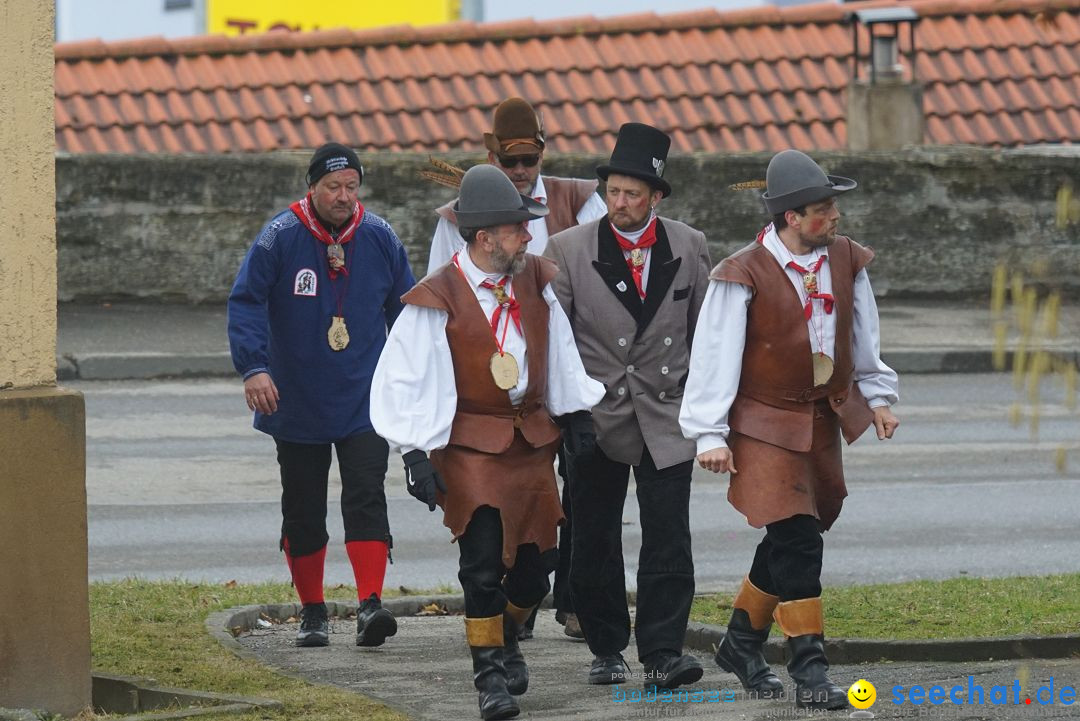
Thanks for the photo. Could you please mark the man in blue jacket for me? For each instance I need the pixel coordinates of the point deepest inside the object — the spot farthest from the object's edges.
(308, 318)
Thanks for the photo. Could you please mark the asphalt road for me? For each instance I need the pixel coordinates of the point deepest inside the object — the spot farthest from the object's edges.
(180, 486)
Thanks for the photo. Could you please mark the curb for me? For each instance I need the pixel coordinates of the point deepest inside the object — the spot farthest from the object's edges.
(143, 366)
(148, 366)
(131, 695)
(226, 625)
(706, 637)
(151, 365)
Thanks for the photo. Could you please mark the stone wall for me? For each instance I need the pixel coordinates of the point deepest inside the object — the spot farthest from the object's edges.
(175, 228)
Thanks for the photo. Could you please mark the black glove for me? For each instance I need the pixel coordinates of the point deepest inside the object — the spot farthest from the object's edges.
(579, 434)
(421, 478)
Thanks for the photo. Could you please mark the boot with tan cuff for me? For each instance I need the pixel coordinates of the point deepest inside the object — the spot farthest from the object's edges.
(748, 630)
(517, 673)
(485, 637)
(804, 625)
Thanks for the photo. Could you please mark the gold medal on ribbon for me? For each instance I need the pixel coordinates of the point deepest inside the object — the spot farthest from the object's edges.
(500, 295)
(823, 368)
(637, 257)
(336, 255)
(504, 369)
(338, 334)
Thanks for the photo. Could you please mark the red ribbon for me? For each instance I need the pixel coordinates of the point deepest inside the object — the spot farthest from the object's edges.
(302, 210)
(511, 305)
(647, 240)
(827, 300)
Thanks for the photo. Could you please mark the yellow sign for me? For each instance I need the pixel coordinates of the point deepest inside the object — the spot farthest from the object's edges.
(243, 17)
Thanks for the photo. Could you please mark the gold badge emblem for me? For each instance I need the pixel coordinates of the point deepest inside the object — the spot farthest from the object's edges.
(338, 334)
(504, 369)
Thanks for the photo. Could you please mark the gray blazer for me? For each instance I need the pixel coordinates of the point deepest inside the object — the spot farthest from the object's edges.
(639, 350)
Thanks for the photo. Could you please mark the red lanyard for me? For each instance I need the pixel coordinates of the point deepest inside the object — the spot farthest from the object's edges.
(508, 301)
(636, 261)
(810, 285)
(809, 279)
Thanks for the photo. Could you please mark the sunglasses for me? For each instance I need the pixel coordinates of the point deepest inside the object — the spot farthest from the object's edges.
(528, 161)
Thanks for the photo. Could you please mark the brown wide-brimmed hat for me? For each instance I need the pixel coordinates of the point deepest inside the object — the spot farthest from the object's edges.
(515, 130)
(489, 198)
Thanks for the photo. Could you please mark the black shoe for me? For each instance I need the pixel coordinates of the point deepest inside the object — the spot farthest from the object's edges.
(489, 677)
(609, 669)
(667, 669)
(314, 626)
(517, 673)
(373, 623)
(740, 653)
(808, 667)
(524, 633)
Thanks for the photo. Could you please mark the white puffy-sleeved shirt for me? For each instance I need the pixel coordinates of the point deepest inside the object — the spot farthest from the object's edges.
(716, 358)
(414, 393)
(447, 240)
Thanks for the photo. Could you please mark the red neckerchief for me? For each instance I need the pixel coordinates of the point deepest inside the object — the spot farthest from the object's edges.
(511, 305)
(809, 279)
(647, 240)
(302, 210)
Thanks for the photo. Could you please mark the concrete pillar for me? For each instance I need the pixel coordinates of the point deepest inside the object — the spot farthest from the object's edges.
(887, 115)
(44, 607)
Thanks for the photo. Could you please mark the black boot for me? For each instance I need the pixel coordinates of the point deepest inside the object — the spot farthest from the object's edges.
(489, 677)
(808, 667)
(740, 653)
(517, 673)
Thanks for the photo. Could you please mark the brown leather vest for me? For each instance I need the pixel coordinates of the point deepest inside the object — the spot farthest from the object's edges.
(565, 197)
(776, 388)
(485, 419)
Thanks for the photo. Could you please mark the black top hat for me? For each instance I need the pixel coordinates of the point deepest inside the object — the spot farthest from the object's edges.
(640, 152)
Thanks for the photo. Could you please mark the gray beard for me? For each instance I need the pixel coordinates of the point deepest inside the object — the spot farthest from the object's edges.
(505, 263)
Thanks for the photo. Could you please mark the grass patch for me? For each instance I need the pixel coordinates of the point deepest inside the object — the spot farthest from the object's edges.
(957, 608)
(156, 630)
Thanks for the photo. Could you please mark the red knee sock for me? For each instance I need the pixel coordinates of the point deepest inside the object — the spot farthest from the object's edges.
(307, 574)
(368, 559)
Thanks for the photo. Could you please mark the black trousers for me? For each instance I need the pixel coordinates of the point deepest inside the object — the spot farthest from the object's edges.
(305, 473)
(787, 562)
(487, 583)
(665, 577)
(560, 590)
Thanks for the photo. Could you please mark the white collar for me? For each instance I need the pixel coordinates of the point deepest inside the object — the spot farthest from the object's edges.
(780, 252)
(539, 191)
(635, 236)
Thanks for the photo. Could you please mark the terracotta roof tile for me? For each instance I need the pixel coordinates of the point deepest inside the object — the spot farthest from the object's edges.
(996, 72)
(752, 140)
(1059, 93)
(989, 99)
(1056, 129)
(1033, 90)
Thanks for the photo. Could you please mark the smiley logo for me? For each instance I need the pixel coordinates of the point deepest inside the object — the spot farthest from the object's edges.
(862, 694)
